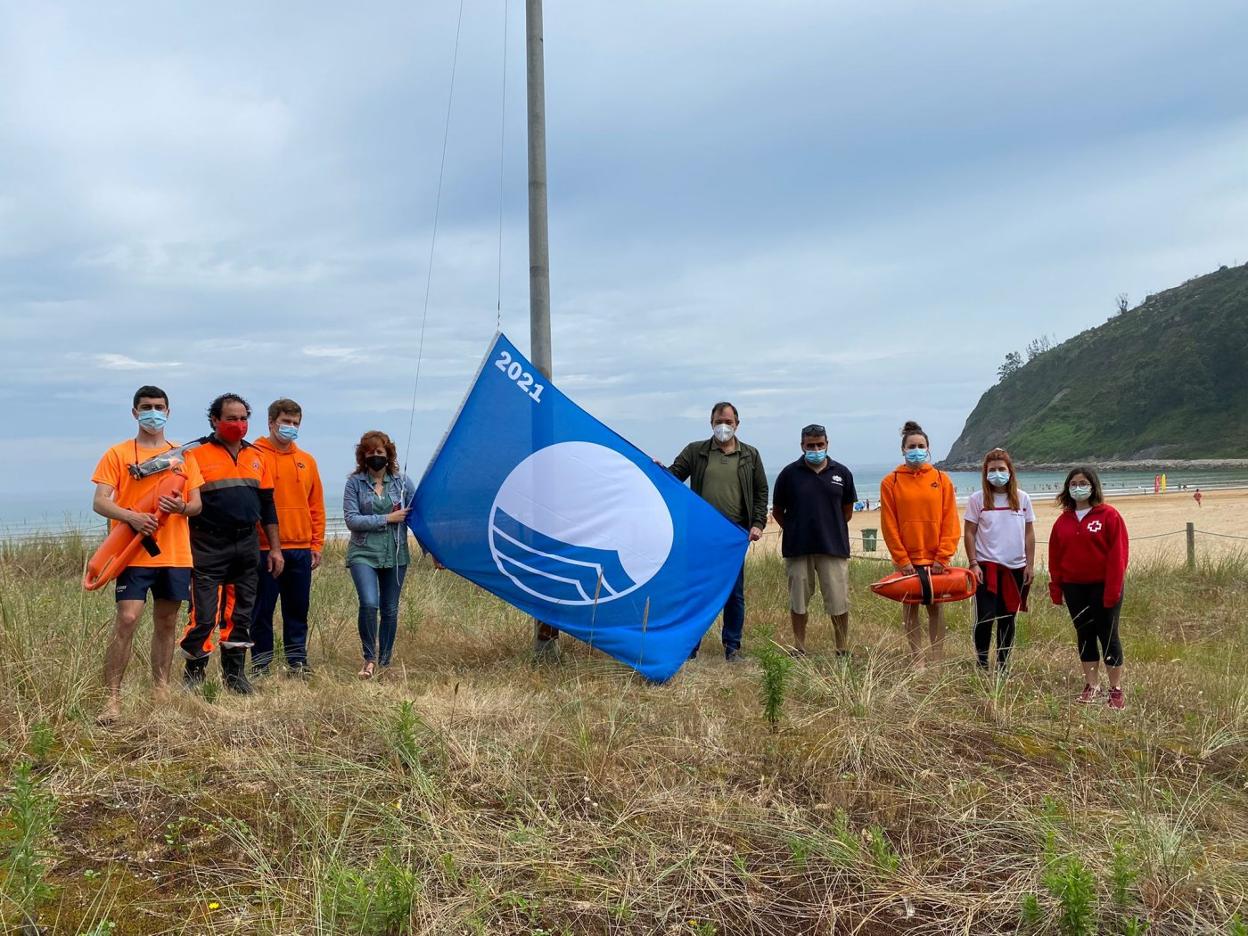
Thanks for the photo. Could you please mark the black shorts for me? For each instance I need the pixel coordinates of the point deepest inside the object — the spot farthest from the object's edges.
(165, 584)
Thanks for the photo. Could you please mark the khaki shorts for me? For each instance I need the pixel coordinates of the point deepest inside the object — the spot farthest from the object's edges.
(832, 574)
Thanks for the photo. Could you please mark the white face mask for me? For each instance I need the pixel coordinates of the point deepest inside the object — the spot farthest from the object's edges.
(724, 432)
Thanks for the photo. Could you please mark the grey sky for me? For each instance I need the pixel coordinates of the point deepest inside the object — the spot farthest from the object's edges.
(818, 211)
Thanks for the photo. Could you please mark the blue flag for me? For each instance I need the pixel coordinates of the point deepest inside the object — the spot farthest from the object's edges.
(534, 500)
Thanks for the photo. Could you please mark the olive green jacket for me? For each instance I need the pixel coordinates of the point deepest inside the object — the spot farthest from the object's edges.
(692, 461)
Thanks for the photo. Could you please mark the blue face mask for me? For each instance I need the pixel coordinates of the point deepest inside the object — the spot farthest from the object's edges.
(1080, 492)
(998, 478)
(153, 419)
(288, 433)
(916, 456)
(815, 457)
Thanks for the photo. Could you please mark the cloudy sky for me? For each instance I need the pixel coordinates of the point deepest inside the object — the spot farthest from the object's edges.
(823, 211)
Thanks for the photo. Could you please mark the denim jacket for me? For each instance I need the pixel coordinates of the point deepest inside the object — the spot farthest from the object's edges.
(357, 503)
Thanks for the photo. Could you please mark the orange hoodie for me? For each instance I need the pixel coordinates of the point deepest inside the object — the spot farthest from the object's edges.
(919, 516)
(297, 494)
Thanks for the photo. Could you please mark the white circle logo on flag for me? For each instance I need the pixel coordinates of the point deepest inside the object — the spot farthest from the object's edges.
(577, 523)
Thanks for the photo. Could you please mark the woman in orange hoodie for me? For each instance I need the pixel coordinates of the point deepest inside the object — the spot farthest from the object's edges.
(919, 518)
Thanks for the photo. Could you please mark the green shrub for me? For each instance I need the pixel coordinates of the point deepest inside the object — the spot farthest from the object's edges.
(775, 664)
(1122, 875)
(1030, 915)
(1074, 887)
(373, 901)
(27, 821)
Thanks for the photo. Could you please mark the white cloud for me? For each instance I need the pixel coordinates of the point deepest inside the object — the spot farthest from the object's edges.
(122, 362)
(339, 353)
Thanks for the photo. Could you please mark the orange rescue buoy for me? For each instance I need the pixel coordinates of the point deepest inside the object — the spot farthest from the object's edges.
(123, 543)
(921, 587)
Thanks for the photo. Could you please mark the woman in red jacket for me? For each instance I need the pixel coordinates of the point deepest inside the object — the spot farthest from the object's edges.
(1087, 564)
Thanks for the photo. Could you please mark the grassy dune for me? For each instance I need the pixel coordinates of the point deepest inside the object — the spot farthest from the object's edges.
(470, 791)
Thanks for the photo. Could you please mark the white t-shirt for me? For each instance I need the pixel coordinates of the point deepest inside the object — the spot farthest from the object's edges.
(1083, 513)
(1000, 533)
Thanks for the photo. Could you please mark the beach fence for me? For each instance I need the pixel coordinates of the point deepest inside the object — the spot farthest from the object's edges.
(868, 544)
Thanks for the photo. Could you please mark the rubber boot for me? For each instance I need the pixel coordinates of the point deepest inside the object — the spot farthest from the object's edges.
(196, 670)
(233, 665)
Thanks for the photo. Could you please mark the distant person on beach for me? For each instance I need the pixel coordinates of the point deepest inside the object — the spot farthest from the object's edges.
(166, 575)
(813, 503)
(999, 530)
(300, 503)
(729, 475)
(1198, 497)
(919, 520)
(375, 505)
(1088, 553)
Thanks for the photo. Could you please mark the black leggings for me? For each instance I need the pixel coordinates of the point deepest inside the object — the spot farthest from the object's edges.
(1096, 626)
(990, 607)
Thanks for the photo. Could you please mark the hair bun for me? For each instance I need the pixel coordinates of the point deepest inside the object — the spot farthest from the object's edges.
(911, 427)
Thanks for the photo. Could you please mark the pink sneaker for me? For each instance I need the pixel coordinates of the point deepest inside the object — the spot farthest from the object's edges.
(1089, 694)
(1116, 699)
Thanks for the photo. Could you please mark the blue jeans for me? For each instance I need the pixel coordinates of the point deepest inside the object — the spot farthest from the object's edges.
(734, 617)
(294, 587)
(379, 591)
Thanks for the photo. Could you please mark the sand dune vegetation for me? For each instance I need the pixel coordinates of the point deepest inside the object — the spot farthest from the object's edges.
(472, 791)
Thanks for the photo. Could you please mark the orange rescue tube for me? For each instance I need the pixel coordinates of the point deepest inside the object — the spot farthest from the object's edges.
(122, 544)
(950, 585)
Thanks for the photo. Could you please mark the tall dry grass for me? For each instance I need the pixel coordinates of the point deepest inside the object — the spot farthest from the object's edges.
(470, 791)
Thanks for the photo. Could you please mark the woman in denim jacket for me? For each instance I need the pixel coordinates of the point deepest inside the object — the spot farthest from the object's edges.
(375, 505)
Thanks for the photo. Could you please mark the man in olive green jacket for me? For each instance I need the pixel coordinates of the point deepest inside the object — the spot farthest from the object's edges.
(729, 475)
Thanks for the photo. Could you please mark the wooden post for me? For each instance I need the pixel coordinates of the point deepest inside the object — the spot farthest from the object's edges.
(1191, 545)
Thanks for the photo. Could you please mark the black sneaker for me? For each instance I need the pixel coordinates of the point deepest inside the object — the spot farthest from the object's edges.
(232, 669)
(733, 656)
(238, 684)
(196, 671)
(299, 671)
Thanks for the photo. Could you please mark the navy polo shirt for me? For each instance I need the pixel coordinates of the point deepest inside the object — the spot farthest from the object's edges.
(811, 504)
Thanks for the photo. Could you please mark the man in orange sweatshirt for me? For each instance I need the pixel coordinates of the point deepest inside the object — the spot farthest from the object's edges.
(300, 503)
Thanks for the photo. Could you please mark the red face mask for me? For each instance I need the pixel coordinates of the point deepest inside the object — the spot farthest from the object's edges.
(232, 431)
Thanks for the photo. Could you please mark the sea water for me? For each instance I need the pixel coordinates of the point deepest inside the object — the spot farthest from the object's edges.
(54, 512)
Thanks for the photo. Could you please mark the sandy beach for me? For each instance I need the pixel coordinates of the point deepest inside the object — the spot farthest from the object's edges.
(1157, 524)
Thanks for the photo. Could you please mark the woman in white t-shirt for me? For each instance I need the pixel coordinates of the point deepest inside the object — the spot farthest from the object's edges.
(1001, 543)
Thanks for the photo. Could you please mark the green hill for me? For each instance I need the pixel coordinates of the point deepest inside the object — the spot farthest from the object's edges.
(1163, 381)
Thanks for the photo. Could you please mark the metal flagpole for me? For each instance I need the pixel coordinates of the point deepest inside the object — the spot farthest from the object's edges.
(539, 243)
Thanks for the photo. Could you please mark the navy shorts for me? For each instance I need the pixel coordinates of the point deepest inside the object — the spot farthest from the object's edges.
(165, 584)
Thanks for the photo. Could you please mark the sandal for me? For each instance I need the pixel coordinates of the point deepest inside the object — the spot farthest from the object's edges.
(366, 671)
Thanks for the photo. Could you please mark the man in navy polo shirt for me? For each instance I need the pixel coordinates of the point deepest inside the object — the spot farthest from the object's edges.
(813, 502)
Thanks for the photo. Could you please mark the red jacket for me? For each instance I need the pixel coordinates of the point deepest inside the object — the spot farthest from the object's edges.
(1090, 550)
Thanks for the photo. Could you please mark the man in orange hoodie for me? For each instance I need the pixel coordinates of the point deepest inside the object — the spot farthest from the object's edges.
(300, 503)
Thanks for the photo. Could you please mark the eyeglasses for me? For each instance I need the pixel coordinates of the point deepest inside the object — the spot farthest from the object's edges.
(814, 429)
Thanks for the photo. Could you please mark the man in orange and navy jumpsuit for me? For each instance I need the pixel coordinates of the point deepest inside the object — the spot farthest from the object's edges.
(300, 503)
(237, 493)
